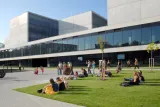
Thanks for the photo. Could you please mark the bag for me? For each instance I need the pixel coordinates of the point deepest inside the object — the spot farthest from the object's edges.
(125, 84)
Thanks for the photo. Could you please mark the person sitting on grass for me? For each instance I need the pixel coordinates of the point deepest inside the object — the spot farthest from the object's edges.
(84, 72)
(64, 79)
(60, 84)
(49, 89)
(108, 73)
(134, 80)
(141, 77)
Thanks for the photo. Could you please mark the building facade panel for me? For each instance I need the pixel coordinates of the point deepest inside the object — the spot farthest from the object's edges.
(18, 31)
(123, 11)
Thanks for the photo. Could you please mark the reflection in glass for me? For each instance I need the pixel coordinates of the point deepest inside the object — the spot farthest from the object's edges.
(109, 39)
(81, 43)
(118, 38)
(146, 34)
(127, 37)
(156, 32)
(136, 35)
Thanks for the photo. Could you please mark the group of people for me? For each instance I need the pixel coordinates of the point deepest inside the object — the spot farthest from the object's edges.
(91, 66)
(137, 78)
(60, 84)
(62, 67)
(136, 63)
(37, 70)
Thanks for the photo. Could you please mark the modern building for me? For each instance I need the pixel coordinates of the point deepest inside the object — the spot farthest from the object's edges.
(132, 24)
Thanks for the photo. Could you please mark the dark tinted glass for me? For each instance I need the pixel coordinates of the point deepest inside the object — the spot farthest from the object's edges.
(75, 43)
(127, 37)
(109, 39)
(94, 41)
(156, 32)
(118, 37)
(146, 34)
(88, 42)
(81, 43)
(136, 35)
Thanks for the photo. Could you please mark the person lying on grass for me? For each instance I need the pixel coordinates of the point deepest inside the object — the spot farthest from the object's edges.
(49, 89)
(134, 80)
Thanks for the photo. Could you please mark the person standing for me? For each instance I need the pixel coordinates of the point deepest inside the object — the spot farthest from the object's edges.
(36, 71)
(136, 64)
(20, 66)
(42, 69)
(129, 63)
(60, 68)
(108, 64)
(93, 66)
(119, 66)
(89, 66)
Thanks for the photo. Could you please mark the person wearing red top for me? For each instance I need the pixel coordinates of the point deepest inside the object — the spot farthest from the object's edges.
(36, 70)
(42, 69)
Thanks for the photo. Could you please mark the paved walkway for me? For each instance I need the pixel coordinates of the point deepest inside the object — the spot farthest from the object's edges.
(11, 98)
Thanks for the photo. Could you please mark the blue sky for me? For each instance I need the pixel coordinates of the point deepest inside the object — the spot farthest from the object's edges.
(57, 9)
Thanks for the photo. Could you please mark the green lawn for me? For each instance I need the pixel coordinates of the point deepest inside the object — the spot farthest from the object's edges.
(91, 92)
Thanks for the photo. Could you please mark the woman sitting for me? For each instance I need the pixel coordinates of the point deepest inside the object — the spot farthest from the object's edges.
(64, 79)
(134, 80)
(141, 77)
(51, 88)
(60, 84)
(108, 73)
(84, 72)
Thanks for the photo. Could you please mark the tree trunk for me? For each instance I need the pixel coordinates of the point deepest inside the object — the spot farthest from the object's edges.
(102, 68)
(151, 61)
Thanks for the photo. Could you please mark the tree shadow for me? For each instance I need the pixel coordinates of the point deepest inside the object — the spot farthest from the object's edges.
(20, 80)
(151, 84)
(8, 78)
(152, 79)
(117, 75)
(81, 90)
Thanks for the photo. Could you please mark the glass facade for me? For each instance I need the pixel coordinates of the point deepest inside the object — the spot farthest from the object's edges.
(41, 27)
(128, 36)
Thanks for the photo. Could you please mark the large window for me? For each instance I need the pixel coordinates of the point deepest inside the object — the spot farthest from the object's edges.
(94, 41)
(81, 43)
(109, 39)
(156, 32)
(127, 37)
(75, 43)
(88, 42)
(136, 35)
(118, 37)
(69, 46)
(146, 34)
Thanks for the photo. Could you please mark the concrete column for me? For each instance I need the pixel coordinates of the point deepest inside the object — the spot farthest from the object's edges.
(48, 63)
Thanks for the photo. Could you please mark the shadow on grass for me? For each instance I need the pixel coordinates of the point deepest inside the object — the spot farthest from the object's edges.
(82, 90)
(117, 76)
(151, 84)
(153, 80)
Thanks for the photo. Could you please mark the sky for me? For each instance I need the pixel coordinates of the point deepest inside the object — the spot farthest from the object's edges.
(56, 9)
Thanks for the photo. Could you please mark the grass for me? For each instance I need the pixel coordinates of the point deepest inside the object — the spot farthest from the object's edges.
(96, 93)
